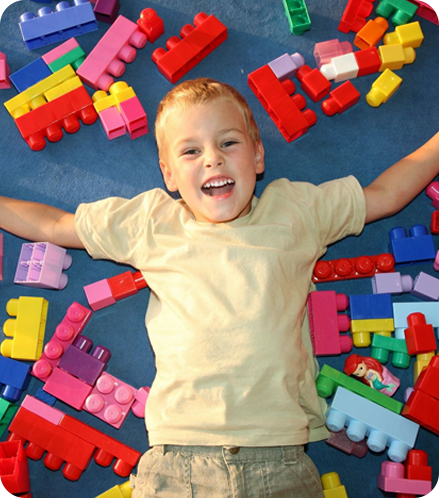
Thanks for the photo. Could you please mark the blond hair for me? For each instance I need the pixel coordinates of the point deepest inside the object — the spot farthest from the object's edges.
(201, 91)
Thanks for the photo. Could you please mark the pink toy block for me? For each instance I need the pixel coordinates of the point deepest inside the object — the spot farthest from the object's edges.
(391, 283)
(67, 388)
(110, 400)
(1, 256)
(391, 479)
(114, 126)
(117, 47)
(4, 72)
(433, 192)
(47, 412)
(72, 325)
(138, 407)
(59, 51)
(286, 66)
(134, 117)
(326, 324)
(99, 293)
(327, 50)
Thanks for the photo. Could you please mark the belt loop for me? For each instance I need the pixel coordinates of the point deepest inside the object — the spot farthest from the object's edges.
(159, 449)
(290, 454)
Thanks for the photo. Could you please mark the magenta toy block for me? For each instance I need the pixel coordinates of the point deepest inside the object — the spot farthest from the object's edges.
(114, 126)
(391, 479)
(426, 287)
(47, 412)
(327, 50)
(436, 262)
(99, 293)
(41, 265)
(1, 256)
(77, 361)
(106, 10)
(391, 283)
(60, 51)
(4, 72)
(117, 47)
(326, 324)
(67, 388)
(426, 11)
(72, 325)
(110, 400)
(138, 407)
(134, 117)
(286, 65)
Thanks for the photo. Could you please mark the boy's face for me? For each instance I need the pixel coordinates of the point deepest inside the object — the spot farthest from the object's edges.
(211, 160)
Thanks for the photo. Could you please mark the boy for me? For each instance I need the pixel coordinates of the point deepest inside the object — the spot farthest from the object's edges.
(234, 398)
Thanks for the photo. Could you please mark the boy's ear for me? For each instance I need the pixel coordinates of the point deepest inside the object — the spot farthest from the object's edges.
(167, 177)
(259, 156)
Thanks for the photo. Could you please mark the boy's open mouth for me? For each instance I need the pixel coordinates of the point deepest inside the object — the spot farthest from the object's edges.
(218, 186)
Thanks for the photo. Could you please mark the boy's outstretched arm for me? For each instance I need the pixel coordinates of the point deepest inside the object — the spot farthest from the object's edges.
(39, 222)
(402, 182)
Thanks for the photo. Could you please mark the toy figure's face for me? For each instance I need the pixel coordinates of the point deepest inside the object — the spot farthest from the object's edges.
(361, 370)
(211, 160)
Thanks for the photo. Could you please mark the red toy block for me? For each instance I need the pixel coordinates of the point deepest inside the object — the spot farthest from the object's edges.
(326, 324)
(368, 60)
(351, 268)
(284, 108)
(416, 466)
(126, 284)
(341, 99)
(196, 44)
(419, 335)
(49, 120)
(354, 15)
(14, 471)
(107, 447)
(423, 409)
(434, 226)
(313, 83)
(428, 380)
(150, 24)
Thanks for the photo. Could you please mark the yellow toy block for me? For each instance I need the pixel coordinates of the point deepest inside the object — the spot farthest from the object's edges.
(119, 92)
(395, 56)
(332, 487)
(27, 330)
(383, 88)
(408, 35)
(33, 96)
(422, 361)
(122, 491)
(62, 89)
(361, 330)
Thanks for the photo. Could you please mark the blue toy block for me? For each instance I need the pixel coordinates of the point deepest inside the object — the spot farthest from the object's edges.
(28, 75)
(14, 377)
(365, 418)
(45, 397)
(370, 306)
(52, 27)
(417, 247)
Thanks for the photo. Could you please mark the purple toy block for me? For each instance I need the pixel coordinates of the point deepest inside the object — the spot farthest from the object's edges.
(4, 72)
(110, 400)
(426, 287)
(67, 388)
(41, 265)
(106, 10)
(327, 50)
(77, 361)
(285, 66)
(417, 247)
(391, 283)
(99, 293)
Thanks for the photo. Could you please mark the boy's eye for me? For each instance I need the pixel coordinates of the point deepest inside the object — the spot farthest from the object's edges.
(228, 143)
(190, 152)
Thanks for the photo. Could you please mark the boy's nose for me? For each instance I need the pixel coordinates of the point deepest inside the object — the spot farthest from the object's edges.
(213, 161)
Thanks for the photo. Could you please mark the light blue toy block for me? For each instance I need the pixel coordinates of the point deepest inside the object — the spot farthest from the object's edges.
(370, 306)
(365, 418)
(402, 310)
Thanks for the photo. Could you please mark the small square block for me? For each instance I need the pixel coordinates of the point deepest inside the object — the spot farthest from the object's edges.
(112, 123)
(99, 295)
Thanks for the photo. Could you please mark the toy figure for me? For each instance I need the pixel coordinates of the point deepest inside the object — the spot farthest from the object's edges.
(371, 372)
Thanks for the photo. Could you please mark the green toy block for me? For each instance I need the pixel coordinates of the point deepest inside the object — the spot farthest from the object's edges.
(75, 58)
(329, 379)
(402, 10)
(297, 15)
(7, 412)
(382, 346)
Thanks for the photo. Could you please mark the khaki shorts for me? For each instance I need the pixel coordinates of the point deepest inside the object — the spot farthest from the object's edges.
(226, 472)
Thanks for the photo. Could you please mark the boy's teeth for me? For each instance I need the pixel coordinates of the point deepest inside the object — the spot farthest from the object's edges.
(218, 183)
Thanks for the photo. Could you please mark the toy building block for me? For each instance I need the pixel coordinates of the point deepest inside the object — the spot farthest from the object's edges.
(313, 83)
(352, 268)
(416, 466)
(368, 60)
(60, 51)
(30, 74)
(74, 57)
(361, 330)
(40, 408)
(14, 378)
(7, 413)
(383, 88)
(416, 247)
(27, 329)
(391, 479)
(110, 400)
(402, 310)
(14, 470)
(340, 441)
(423, 409)
(106, 10)
(196, 44)
(434, 225)
(134, 117)
(297, 15)
(332, 487)
(341, 99)
(329, 379)
(1, 255)
(285, 109)
(341, 68)
(121, 491)
(138, 407)
(391, 283)
(52, 27)
(354, 15)
(327, 50)
(422, 361)
(107, 59)
(428, 380)
(426, 11)
(67, 388)
(46, 398)
(41, 265)
(433, 192)
(106, 292)
(4, 72)
(371, 33)
(402, 11)
(370, 306)
(113, 124)
(71, 326)
(426, 287)
(436, 261)
(326, 323)
(286, 66)
(396, 56)
(150, 24)
(118, 92)
(382, 347)
(408, 35)
(365, 418)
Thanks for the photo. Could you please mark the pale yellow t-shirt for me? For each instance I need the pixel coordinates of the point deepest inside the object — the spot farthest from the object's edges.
(226, 307)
